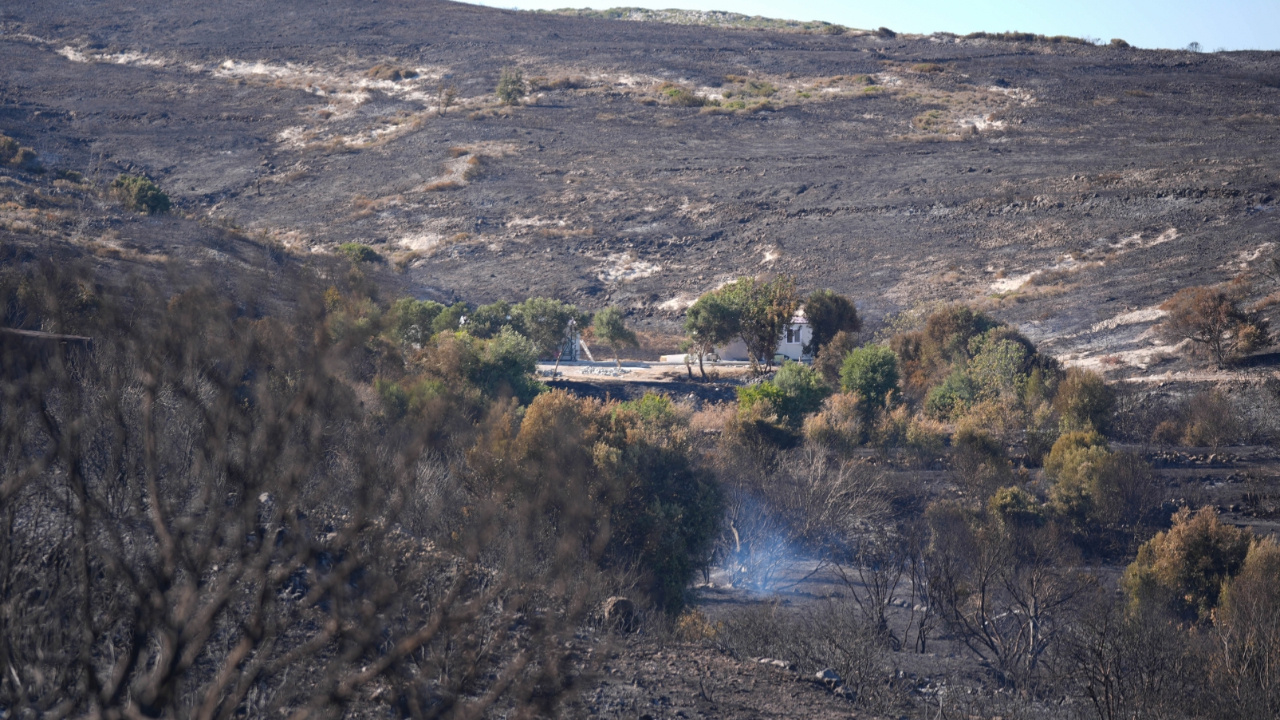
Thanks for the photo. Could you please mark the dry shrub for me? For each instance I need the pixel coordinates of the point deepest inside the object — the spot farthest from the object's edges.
(827, 635)
(1002, 418)
(712, 418)
(474, 166)
(980, 460)
(1207, 419)
(693, 626)
(1183, 569)
(839, 424)
(563, 82)
(1213, 421)
(804, 502)
(831, 356)
(1214, 323)
(393, 73)
(926, 440)
(1246, 661)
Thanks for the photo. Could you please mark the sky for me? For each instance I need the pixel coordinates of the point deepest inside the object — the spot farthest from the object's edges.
(1224, 24)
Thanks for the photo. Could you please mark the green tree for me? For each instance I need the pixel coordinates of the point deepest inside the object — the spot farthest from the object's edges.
(711, 321)
(546, 322)
(508, 365)
(411, 320)
(487, 320)
(450, 318)
(764, 309)
(829, 313)
(611, 329)
(511, 87)
(871, 371)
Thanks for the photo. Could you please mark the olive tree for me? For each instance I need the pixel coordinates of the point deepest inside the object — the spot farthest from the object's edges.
(709, 322)
(611, 329)
(764, 308)
(829, 313)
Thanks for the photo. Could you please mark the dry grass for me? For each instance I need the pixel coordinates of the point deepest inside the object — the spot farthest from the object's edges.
(441, 185)
(712, 418)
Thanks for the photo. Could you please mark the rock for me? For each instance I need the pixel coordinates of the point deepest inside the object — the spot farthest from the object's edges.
(829, 677)
(619, 613)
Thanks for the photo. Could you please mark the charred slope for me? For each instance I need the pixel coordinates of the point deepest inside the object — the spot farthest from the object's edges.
(1069, 187)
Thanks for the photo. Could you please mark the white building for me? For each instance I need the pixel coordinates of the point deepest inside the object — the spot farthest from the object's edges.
(795, 337)
(791, 343)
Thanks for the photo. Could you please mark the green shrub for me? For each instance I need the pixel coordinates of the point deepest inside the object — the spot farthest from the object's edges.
(1095, 489)
(952, 397)
(1000, 362)
(140, 194)
(634, 461)
(757, 88)
(681, 96)
(359, 252)
(1065, 456)
(765, 394)
(509, 367)
(610, 327)
(399, 400)
(927, 356)
(547, 323)
(511, 87)
(1084, 401)
(762, 309)
(1014, 505)
(1074, 465)
(871, 371)
(8, 149)
(803, 387)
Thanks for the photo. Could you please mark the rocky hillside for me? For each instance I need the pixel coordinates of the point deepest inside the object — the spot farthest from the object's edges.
(1069, 188)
